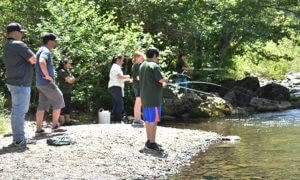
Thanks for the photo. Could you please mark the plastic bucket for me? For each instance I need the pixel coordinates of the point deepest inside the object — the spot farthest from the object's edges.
(103, 116)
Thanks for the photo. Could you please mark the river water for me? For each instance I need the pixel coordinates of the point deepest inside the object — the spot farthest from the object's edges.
(269, 148)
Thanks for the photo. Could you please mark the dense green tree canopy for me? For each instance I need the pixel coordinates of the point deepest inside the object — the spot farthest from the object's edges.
(213, 32)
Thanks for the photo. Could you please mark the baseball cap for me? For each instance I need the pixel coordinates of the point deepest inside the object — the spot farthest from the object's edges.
(49, 36)
(14, 27)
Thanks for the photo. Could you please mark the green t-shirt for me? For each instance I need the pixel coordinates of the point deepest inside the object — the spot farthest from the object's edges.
(150, 88)
(134, 73)
(65, 87)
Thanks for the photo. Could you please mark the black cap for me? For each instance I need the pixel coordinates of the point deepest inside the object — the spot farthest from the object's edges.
(14, 27)
(49, 36)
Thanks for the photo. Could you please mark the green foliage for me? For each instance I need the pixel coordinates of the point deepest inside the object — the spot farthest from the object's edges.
(231, 34)
(89, 37)
(255, 64)
(3, 118)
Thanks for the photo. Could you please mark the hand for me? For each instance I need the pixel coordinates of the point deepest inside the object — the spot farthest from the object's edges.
(48, 78)
(164, 85)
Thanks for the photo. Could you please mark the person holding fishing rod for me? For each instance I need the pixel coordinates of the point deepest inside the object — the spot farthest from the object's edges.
(138, 59)
(180, 67)
(65, 79)
(152, 82)
(116, 87)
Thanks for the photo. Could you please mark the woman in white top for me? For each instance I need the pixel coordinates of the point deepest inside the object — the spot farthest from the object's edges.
(116, 87)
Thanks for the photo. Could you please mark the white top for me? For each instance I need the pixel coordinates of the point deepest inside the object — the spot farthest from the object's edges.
(114, 80)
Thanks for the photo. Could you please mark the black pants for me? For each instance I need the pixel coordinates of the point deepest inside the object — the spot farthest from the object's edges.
(118, 102)
(66, 109)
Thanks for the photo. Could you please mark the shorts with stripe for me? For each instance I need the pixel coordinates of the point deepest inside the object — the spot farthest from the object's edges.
(151, 114)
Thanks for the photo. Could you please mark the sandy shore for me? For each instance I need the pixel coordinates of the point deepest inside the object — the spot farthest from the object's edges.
(102, 152)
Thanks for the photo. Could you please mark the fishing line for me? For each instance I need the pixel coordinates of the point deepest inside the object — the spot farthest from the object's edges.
(195, 90)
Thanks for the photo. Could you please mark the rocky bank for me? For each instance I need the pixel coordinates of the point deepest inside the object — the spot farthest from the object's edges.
(102, 152)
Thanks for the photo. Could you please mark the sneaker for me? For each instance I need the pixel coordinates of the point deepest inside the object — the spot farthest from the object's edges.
(24, 142)
(68, 123)
(42, 133)
(58, 129)
(148, 142)
(154, 147)
(138, 123)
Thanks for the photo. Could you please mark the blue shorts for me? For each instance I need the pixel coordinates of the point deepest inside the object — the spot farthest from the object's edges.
(151, 114)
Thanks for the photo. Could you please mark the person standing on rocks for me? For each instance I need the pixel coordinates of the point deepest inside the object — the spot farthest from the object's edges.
(18, 60)
(116, 87)
(49, 93)
(138, 59)
(151, 83)
(65, 79)
(180, 67)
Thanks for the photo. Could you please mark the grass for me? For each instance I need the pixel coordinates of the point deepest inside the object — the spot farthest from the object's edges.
(4, 121)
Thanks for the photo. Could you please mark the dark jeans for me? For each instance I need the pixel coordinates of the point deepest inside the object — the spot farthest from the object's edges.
(118, 106)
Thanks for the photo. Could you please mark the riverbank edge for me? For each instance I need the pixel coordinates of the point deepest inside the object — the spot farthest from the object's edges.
(103, 151)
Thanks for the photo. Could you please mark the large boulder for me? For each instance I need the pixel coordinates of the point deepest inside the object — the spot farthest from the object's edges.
(239, 96)
(274, 91)
(173, 107)
(225, 87)
(251, 83)
(264, 105)
(211, 107)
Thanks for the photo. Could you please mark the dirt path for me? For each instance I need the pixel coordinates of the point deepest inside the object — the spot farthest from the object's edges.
(102, 152)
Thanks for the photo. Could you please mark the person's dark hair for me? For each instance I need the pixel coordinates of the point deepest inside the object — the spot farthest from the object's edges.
(62, 64)
(114, 59)
(151, 51)
(180, 57)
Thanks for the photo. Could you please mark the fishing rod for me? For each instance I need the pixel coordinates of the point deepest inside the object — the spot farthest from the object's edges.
(195, 90)
(209, 83)
(212, 69)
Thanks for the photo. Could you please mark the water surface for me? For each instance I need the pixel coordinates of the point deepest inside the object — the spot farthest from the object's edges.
(269, 149)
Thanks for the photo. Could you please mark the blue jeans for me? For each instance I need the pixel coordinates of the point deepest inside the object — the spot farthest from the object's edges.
(20, 96)
(178, 80)
(118, 106)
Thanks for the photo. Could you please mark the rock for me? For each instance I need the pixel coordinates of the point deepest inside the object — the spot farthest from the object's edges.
(239, 96)
(250, 83)
(168, 118)
(173, 109)
(274, 91)
(231, 139)
(264, 105)
(191, 100)
(212, 107)
(226, 86)
(239, 112)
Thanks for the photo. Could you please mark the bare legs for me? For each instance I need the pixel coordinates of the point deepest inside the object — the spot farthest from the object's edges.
(64, 118)
(40, 117)
(137, 108)
(151, 131)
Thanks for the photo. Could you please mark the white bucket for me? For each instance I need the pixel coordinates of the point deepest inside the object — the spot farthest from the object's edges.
(103, 116)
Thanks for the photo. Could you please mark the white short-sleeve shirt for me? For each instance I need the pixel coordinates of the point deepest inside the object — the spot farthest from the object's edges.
(114, 80)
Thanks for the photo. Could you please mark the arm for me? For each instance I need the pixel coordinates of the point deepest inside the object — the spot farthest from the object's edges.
(123, 77)
(187, 69)
(32, 59)
(70, 79)
(43, 65)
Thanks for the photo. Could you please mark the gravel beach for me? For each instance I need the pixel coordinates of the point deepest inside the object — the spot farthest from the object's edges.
(97, 151)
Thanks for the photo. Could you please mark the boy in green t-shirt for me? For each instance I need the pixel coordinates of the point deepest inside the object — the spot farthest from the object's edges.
(151, 80)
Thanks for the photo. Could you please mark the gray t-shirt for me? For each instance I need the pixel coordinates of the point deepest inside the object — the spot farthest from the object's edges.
(19, 70)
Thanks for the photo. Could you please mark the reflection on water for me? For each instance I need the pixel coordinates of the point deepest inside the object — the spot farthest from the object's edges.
(269, 148)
